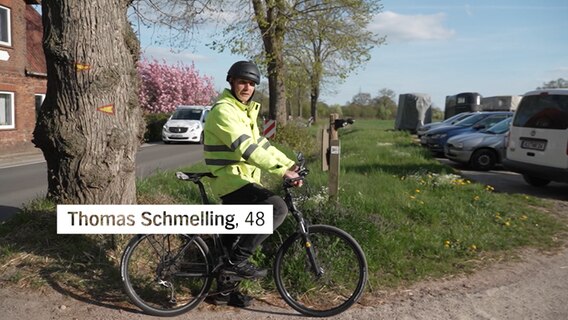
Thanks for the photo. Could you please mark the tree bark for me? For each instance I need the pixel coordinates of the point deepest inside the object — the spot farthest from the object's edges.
(271, 22)
(90, 125)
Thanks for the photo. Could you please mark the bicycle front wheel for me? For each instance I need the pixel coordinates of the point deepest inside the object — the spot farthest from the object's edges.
(166, 274)
(342, 271)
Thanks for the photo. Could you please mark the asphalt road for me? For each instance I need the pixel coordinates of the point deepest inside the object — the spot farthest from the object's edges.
(21, 183)
(510, 182)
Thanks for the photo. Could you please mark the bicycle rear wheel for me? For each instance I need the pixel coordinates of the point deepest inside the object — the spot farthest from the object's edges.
(342, 262)
(166, 274)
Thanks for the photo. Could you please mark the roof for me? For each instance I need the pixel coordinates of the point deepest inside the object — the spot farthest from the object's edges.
(34, 35)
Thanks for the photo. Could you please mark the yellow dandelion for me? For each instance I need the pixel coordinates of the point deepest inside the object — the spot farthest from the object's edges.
(447, 243)
(476, 198)
(473, 247)
(417, 190)
(412, 197)
(523, 217)
(489, 188)
(507, 223)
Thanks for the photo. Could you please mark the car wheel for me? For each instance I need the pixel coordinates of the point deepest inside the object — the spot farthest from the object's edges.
(483, 159)
(167, 142)
(535, 181)
(201, 137)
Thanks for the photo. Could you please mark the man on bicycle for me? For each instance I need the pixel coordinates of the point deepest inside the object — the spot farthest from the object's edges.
(236, 153)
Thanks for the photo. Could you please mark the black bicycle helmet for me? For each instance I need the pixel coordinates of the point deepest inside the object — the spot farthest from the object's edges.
(244, 70)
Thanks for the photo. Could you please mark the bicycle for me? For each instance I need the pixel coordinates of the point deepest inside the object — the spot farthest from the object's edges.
(319, 270)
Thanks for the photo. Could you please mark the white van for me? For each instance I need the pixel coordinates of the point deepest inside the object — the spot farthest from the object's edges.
(537, 145)
(185, 124)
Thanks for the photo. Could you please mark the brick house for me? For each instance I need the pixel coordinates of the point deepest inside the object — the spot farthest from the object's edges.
(23, 73)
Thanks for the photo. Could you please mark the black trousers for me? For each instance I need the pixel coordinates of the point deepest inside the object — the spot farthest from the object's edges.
(242, 246)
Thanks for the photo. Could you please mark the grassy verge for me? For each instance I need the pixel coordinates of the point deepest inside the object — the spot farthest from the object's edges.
(414, 217)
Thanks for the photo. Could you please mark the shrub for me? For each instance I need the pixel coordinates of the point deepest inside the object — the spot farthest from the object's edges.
(154, 124)
(296, 138)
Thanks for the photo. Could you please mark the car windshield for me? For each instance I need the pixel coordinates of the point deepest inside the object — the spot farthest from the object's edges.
(500, 127)
(470, 121)
(457, 117)
(187, 114)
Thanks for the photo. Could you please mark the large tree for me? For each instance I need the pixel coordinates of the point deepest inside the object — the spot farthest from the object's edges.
(269, 30)
(90, 124)
(270, 16)
(332, 41)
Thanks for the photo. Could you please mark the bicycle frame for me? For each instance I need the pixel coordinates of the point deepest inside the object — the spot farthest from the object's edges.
(303, 224)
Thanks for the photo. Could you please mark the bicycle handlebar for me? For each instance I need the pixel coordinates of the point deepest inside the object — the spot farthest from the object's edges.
(301, 170)
(196, 176)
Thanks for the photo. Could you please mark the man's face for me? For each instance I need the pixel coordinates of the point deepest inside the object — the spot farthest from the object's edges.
(244, 89)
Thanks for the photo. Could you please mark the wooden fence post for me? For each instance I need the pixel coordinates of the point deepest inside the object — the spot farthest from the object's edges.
(334, 156)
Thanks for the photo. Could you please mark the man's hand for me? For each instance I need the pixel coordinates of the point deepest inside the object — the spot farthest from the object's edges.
(292, 174)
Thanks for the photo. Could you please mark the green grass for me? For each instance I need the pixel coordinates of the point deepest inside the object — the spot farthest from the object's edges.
(414, 217)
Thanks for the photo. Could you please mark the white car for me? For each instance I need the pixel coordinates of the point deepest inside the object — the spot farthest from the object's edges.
(185, 124)
(538, 141)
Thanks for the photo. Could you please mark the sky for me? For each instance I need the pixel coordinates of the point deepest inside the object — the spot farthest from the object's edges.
(438, 47)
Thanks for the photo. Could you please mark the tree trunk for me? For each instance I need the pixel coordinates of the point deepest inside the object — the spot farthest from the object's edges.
(277, 91)
(315, 82)
(314, 97)
(271, 22)
(90, 124)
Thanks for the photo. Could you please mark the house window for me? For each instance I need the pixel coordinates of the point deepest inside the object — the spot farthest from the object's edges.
(6, 110)
(38, 101)
(5, 27)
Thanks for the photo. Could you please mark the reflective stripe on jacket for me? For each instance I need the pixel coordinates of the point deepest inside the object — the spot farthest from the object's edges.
(233, 148)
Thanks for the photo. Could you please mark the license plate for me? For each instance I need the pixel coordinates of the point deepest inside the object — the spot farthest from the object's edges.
(533, 144)
(177, 136)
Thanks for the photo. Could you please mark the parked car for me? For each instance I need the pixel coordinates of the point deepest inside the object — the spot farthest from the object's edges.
(538, 141)
(435, 139)
(451, 120)
(481, 150)
(185, 124)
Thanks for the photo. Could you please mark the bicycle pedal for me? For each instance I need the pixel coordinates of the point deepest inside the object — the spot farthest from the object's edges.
(229, 278)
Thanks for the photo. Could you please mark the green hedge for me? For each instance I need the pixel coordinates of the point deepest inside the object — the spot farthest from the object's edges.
(154, 124)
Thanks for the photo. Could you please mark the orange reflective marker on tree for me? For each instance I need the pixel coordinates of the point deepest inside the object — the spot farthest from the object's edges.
(82, 66)
(109, 109)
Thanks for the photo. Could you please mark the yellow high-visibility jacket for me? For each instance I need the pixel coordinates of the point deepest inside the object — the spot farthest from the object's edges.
(234, 150)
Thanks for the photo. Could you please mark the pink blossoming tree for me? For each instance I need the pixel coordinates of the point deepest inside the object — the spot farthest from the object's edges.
(163, 86)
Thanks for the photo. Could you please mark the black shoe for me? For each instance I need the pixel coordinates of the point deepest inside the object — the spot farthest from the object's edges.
(245, 269)
(234, 299)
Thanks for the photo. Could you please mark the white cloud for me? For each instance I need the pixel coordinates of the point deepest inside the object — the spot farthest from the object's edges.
(469, 10)
(171, 55)
(406, 28)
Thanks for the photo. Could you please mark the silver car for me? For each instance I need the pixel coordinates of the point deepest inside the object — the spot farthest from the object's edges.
(480, 150)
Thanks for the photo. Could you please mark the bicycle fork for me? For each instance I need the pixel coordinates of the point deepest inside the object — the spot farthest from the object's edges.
(310, 249)
(304, 234)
